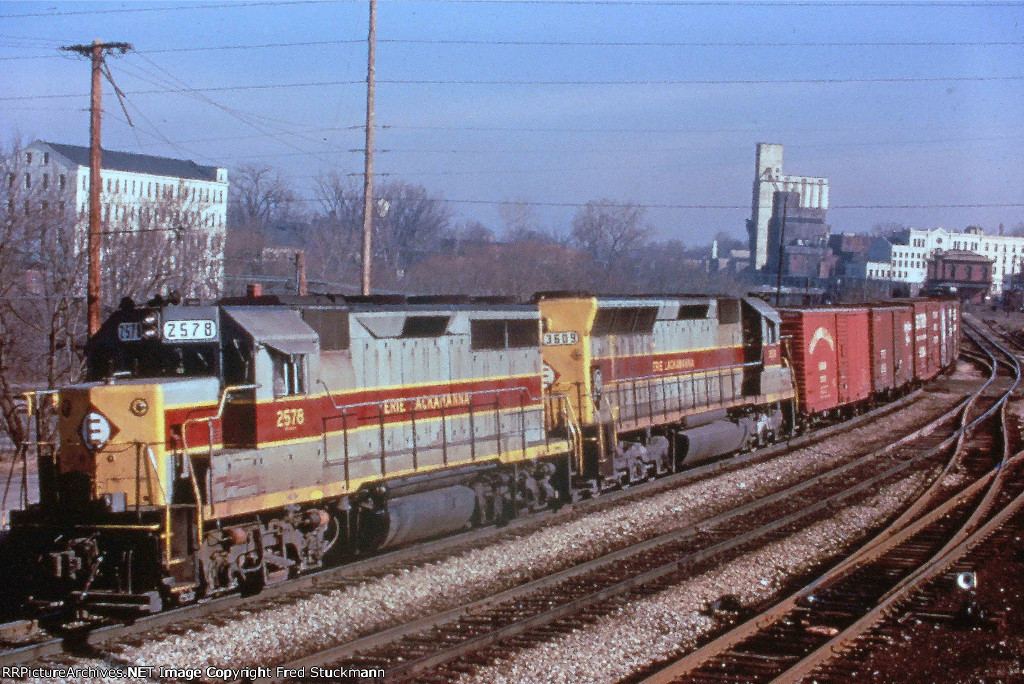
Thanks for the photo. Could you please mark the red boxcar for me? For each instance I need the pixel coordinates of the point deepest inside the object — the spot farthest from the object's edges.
(949, 331)
(831, 356)
(882, 349)
(903, 324)
(892, 353)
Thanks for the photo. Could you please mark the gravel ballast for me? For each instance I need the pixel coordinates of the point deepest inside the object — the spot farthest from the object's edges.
(650, 629)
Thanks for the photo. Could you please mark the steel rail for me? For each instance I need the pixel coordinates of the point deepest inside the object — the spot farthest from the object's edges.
(96, 636)
(930, 495)
(890, 602)
(898, 532)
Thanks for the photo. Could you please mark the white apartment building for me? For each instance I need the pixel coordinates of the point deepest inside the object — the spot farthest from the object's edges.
(137, 189)
(910, 259)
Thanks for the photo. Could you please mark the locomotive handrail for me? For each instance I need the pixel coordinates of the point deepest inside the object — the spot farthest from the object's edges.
(539, 404)
(187, 454)
(36, 393)
(689, 371)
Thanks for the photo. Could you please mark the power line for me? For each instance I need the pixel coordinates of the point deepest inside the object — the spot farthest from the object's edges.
(571, 205)
(567, 43)
(487, 82)
(142, 10)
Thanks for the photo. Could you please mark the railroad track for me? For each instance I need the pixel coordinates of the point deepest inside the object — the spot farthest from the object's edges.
(825, 629)
(439, 647)
(87, 636)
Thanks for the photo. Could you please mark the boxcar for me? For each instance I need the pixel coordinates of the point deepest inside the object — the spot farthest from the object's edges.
(892, 354)
(903, 329)
(831, 354)
(949, 331)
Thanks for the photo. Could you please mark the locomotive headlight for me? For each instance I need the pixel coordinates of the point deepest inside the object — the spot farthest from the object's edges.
(150, 326)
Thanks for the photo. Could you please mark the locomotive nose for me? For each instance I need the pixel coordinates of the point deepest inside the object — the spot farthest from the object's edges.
(107, 442)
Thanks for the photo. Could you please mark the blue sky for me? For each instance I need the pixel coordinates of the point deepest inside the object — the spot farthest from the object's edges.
(659, 103)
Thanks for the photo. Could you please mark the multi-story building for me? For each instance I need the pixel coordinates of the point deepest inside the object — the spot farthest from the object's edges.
(140, 194)
(913, 248)
(956, 271)
(182, 191)
(804, 199)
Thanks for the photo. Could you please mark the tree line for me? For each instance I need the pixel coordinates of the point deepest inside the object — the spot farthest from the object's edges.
(420, 246)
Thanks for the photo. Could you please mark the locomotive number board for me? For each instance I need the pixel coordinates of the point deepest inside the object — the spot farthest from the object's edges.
(190, 330)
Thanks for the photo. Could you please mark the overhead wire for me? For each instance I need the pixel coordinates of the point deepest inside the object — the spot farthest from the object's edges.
(564, 43)
(545, 82)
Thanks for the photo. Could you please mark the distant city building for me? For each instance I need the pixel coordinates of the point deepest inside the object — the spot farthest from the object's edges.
(863, 256)
(138, 191)
(913, 248)
(727, 261)
(804, 198)
(798, 239)
(965, 274)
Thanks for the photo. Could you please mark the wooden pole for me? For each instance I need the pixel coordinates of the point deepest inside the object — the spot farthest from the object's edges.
(368, 169)
(94, 292)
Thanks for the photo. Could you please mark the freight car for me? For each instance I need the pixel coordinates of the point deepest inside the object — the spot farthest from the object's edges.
(226, 446)
(847, 358)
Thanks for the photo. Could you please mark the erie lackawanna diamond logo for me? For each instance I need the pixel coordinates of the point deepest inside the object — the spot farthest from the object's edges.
(97, 430)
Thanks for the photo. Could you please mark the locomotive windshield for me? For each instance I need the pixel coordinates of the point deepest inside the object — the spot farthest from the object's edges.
(156, 343)
(153, 360)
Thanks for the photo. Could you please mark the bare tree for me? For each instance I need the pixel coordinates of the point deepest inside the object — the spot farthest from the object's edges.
(408, 225)
(334, 239)
(612, 234)
(42, 303)
(888, 229)
(161, 245)
(513, 269)
(259, 199)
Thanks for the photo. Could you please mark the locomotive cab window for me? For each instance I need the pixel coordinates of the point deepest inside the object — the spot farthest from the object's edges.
(728, 311)
(289, 373)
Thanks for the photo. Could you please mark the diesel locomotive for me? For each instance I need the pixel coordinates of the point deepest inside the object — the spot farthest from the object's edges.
(221, 447)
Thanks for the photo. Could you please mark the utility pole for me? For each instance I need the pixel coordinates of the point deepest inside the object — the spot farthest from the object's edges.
(782, 241)
(368, 168)
(95, 51)
(301, 286)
